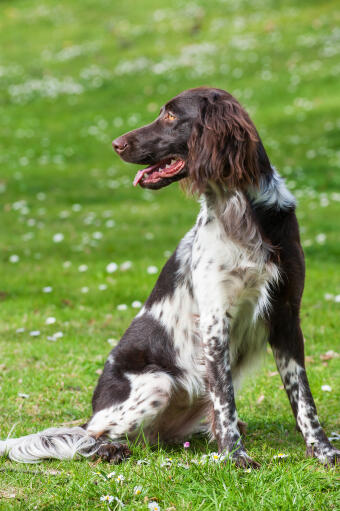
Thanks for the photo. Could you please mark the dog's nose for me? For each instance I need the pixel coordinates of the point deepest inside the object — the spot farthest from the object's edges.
(119, 144)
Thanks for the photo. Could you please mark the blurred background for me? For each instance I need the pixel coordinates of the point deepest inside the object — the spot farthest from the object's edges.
(80, 248)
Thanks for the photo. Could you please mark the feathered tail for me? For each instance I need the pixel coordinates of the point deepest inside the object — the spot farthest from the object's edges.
(58, 443)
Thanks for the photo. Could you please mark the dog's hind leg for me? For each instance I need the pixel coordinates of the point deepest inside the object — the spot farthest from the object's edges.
(146, 395)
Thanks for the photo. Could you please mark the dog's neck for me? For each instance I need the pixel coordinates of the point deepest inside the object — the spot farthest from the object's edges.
(272, 193)
(240, 211)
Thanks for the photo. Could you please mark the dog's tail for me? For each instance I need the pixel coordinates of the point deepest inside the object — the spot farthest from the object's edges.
(58, 443)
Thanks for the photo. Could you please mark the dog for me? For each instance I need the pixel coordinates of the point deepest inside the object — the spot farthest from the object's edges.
(234, 283)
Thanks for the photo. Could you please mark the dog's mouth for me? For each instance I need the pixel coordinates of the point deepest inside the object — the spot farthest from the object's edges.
(168, 169)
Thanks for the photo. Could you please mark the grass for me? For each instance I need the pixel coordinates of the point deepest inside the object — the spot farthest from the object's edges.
(72, 78)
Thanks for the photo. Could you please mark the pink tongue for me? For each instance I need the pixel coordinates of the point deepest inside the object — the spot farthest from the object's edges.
(141, 173)
(139, 176)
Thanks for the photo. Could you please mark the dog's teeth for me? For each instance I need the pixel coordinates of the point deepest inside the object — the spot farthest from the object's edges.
(167, 165)
(172, 162)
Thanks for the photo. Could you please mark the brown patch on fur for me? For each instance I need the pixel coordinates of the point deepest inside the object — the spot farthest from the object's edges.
(223, 146)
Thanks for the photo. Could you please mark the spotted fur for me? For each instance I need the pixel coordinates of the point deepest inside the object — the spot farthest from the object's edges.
(233, 284)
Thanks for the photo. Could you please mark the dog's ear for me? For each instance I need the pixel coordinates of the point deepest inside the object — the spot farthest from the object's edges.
(223, 146)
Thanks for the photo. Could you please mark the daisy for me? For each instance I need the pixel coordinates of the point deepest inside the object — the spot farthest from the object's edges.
(143, 462)
(58, 237)
(137, 490)
(50, 321)
(111, 268)
(153, 506)
(126, 265)
(136, 304)
(106, 498)
(110, 475)
(281, 455)
(120, 478)
(14, 258)
(152, 270)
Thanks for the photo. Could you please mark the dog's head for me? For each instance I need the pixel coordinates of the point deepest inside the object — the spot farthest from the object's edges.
(202, 134)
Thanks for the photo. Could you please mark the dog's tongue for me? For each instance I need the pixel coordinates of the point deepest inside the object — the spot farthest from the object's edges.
(139, 176)
(141, 173)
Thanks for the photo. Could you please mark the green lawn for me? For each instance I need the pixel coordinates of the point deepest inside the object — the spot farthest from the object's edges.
(74, 75)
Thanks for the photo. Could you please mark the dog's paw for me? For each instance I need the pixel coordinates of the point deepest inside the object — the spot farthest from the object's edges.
(325, 453)
(242, 460)
(113, 452)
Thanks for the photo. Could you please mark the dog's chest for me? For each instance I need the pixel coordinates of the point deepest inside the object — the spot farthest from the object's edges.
(227, 271)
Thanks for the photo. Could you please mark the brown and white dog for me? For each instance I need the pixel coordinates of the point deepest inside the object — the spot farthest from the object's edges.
(233, 284)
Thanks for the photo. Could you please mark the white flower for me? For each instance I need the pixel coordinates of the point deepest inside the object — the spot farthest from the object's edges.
(50, 321)
(143, 462)
(84, 289)
(106, 498)
(126, 265)
(82, 268)
(120, 478)
(167, 462)
(14, 258)
(280, 455)
(34, 333)
(110, 475)
(153, 506)
(24, 396)
(112, 342)
(111, 267)
(58, 237)
(97, 235)
(137, 490)
(67, 264)
(110, 223)
(76, 207)
(337, 299)
(321, 238)
(152, 270)
(326, 388)
(328, 296)
(102, 287)
(55, 336)
(122, 307)
(183, 466)
(47, 289)
(136, 304)
(20, 330)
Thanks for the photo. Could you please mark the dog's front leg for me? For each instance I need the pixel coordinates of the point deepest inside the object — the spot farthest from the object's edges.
(215, 333)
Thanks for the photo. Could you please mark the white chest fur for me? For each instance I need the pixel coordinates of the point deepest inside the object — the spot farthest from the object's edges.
(232, 274)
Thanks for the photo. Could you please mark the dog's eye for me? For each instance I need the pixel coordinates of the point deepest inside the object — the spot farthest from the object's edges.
(169, 116)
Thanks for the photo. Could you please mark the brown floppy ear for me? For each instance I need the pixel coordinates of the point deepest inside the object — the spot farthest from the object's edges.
(223, 146)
